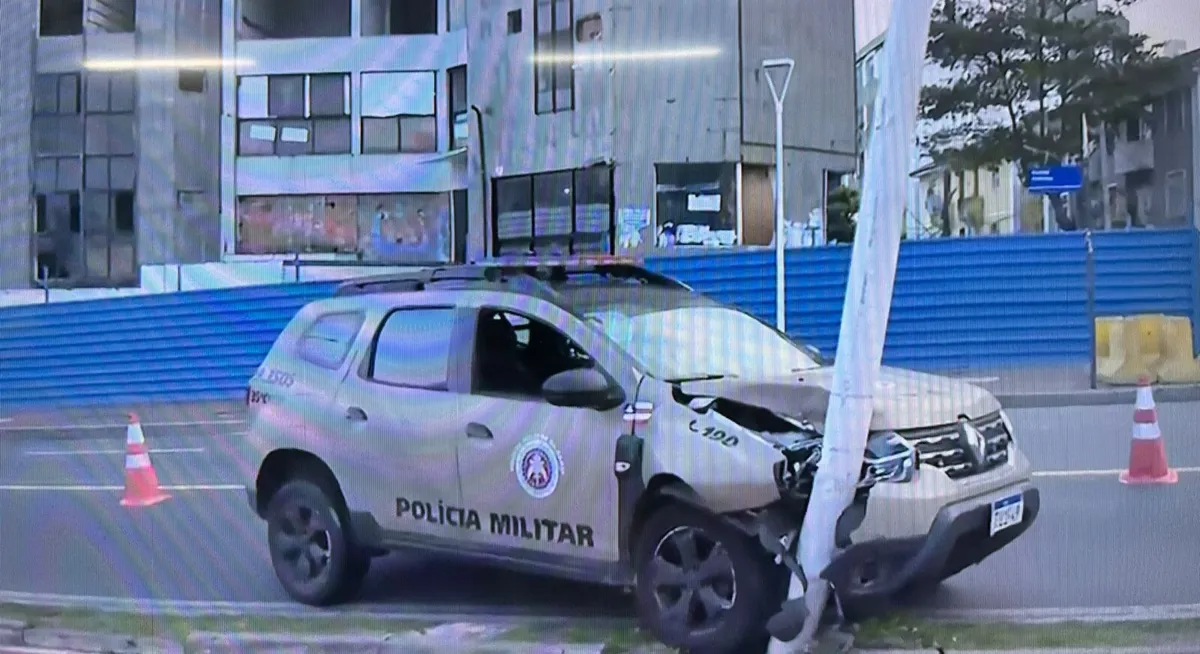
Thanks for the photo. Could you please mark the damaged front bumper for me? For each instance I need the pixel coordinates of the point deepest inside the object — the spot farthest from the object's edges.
(869, 575)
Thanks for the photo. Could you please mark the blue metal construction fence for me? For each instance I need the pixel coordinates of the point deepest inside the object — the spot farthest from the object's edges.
(958, 303)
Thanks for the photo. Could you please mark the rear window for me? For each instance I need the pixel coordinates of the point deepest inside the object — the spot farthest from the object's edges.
(328, 340)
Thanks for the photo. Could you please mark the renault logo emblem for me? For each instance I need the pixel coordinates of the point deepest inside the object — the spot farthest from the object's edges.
(974, 441)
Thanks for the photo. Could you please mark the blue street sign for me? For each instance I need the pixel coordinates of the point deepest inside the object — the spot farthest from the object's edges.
(1055, 179)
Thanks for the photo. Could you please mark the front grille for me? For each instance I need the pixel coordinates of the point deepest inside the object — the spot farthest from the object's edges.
(943, 447)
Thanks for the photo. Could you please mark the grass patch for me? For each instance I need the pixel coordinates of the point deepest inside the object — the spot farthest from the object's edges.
(178, 627)
(897, 632)
(617, 640)
(902, 632)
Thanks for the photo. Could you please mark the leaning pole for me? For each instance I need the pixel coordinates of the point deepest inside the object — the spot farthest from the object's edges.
(867, 305)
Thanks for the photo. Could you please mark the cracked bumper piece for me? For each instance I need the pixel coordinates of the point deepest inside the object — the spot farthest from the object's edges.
(870, 574)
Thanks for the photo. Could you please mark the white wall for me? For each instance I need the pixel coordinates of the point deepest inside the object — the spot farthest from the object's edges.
(201, 276)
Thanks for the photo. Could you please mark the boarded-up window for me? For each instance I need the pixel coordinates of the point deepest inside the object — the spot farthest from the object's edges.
(297, 224)
(400, 228)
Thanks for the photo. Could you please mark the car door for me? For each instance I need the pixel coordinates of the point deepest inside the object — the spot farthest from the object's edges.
(539, 475)
(398, 409)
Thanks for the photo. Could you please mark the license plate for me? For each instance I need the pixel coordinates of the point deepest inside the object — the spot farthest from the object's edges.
(1007, 512)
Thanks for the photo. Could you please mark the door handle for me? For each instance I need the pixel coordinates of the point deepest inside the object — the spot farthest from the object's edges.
(476, 430)
(356, 414)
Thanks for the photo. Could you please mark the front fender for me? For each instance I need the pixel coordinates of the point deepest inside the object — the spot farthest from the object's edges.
(725, 476)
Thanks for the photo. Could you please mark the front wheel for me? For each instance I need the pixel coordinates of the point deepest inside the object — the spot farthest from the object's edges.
(702, 585)
(312, 552)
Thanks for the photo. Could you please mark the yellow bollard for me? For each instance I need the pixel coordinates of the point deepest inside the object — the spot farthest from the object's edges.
(1128, 351)
(1176, 365)
(1109, 354)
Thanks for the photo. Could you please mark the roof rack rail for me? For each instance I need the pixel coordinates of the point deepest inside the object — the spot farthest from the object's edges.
(558, 269)
(410, 281)
(530, 273)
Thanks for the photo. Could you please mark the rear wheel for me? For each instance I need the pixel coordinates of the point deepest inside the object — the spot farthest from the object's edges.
(702, 585)
(313, 553)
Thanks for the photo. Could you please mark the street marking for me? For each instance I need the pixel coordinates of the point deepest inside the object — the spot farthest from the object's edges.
(166, 450)
(978, 380)
(72, 453)
(94, 489)
(1097, 473)
(196, 423)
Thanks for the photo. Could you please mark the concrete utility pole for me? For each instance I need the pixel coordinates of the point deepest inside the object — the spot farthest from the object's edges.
(867, 305)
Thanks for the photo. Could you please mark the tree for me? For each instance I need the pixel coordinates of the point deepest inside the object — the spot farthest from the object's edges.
(1023, 75)
(843, 205)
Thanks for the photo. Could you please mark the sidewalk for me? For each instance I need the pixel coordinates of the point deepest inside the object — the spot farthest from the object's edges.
(15, 638)
(231, 414)
(1067, 384)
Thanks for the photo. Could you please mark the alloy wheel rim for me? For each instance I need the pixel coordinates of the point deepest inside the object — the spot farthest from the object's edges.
(303, 544)
(693, 580)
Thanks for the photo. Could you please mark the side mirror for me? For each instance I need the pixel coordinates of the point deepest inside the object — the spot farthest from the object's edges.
(817, 355)
(583, 388)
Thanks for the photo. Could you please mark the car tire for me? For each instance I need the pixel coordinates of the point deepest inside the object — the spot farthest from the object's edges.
(743, 579)
(313, 553)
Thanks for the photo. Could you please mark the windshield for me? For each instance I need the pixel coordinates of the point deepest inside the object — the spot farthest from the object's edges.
(693, 342)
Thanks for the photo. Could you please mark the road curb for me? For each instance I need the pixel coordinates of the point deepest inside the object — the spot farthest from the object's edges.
(1033, 616)
(232, 643)
(1097, 397)
(432, 612)
(1156, 649)
(459, 637)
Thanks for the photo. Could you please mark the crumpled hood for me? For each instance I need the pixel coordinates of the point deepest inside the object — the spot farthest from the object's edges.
(904, 399)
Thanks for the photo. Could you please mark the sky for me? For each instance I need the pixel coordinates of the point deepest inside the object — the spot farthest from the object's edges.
(1161, 20)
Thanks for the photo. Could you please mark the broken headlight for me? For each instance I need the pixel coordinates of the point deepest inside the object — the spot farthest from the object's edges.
(889, 458)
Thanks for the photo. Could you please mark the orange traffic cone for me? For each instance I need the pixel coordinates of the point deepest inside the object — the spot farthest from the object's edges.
(1147, 454)
(141, 482)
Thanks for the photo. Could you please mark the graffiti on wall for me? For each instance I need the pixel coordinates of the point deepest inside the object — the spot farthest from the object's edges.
(393, 228)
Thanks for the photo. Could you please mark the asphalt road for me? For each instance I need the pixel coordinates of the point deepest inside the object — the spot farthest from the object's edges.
(1096, 543)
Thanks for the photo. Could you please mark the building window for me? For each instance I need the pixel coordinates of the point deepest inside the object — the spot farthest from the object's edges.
(399, 112)
(457, 82)
(1177, 195)
(60, 18)
(84, 178)
(191, 80)
(290, 115)
(456, 15)
(696, 205)
(112, 16)
(298, 19)
(411, 228)
(1133, 129)
(1176, 108)
(400, 17)
(563, 212)
(514, 21)
(554, 56)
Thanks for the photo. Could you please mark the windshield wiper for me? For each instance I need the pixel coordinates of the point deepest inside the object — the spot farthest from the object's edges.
(692, 378)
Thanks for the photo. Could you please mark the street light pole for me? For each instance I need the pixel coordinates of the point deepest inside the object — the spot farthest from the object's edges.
(778, 95)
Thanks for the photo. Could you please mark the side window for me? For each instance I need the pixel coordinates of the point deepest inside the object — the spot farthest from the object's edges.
(413, 348)
(515, 355)
(328, 340)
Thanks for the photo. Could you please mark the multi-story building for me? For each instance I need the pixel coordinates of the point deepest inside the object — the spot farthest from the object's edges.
(626, 124)
(1145, 171)
(344, 129)
(106, 164)
(180, 131)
